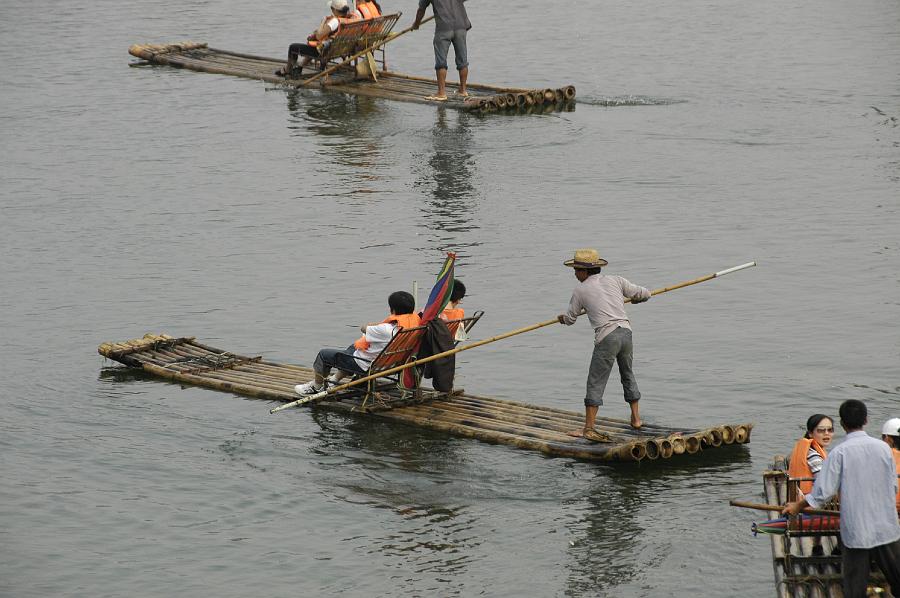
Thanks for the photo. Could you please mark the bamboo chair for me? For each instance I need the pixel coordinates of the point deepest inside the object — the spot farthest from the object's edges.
(354, 37)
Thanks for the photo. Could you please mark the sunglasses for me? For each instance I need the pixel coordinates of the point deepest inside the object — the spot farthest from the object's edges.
(825, 430)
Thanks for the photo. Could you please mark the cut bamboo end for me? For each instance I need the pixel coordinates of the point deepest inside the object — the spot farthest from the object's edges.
(568, 92)
(636, 451)
(651, 447)
(692, 444)
(741, 434)
(678, 445)
(727, 434)
(666, 448)
(713, 437)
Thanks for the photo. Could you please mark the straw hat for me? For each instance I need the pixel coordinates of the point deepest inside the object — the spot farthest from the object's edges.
(585, 258)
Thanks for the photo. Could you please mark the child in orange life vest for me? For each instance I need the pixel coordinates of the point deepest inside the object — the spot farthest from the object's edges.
(890, 433)
(356, 358)
(453, 311)
(809, 452)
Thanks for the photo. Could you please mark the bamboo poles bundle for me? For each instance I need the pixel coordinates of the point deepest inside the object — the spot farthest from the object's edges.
(149, 51)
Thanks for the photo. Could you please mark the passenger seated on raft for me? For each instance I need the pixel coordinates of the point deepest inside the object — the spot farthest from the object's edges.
(356, 358)
(453, 311)
(807, 458)
(340, 13)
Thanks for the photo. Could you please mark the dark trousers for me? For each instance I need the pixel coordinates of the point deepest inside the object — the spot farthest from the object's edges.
(341, 359)
(616, 347)
(295, 50)
(855, 564)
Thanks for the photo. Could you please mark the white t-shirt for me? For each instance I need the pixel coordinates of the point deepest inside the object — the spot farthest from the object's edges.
(378, 337)
(333, 23)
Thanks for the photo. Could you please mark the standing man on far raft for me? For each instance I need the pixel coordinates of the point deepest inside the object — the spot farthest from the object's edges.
(451, 25)
(603, 298)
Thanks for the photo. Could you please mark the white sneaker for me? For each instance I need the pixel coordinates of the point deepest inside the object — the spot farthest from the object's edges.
(308, 388)
(334, 379)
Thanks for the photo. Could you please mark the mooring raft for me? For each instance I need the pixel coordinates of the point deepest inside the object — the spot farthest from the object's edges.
(497, 421)
(482, 98)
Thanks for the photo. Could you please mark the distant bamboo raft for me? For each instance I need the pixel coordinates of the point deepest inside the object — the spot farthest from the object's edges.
(497, 421)
(197, 56)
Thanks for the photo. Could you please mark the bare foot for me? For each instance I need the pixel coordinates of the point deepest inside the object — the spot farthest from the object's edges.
(637, 424)
(576, 433)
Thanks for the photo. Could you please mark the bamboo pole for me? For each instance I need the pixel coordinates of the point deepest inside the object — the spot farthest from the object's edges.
(323, 394)
(778, 508)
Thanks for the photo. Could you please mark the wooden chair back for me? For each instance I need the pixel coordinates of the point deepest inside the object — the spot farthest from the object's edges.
(358, 35)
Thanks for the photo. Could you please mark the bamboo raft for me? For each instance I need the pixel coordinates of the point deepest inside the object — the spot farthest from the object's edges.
(497, 421)
(389, 85)
(799, 573)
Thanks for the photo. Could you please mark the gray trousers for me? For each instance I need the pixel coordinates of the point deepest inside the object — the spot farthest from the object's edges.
(855, 564)
(616, 347)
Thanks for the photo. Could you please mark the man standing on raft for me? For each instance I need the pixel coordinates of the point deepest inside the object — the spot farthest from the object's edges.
(451, 25)
(602, 298)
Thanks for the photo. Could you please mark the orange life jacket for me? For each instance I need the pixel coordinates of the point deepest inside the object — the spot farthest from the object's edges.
(799, 467)
(453, 313)
(897, 465)
(403, 320)
(368, 10)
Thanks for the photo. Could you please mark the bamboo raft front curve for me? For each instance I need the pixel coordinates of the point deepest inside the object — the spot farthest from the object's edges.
(197, 56)
(530, 427)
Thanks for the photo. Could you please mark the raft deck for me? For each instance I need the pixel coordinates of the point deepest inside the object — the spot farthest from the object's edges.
(798, 573)
(389, 85)
(497, 421)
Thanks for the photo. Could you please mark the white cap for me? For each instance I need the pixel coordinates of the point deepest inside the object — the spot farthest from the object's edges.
(338, 5)
(891, 427)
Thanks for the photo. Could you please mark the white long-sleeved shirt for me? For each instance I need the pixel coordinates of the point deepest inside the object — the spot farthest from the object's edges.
(601, 296)
(862, 469)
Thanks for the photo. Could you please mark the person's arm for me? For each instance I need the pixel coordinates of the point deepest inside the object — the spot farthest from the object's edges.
(634, 292)
(575, 309)
(329, 25)
(423, 4)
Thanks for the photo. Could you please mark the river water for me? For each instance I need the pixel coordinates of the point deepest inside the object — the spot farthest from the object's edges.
(271, 222)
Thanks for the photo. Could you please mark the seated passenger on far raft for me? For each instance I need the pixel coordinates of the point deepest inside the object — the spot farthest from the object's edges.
(357, 358)
(340, 13)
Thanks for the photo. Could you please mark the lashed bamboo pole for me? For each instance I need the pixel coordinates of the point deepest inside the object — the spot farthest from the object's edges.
(761, 507)
(321, 395)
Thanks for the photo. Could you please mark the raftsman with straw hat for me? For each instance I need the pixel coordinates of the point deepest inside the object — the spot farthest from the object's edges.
(602, 297)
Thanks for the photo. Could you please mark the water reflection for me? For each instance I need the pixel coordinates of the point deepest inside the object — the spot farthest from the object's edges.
(447, 178)
(351, 128)
(611, 540)
(429, 535)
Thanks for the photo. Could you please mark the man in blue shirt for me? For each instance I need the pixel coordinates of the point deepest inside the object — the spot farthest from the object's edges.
(451, 25)
(862, 469)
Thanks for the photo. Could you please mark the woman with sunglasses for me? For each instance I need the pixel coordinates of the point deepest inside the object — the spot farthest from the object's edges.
(806, 460)
(809, 452)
